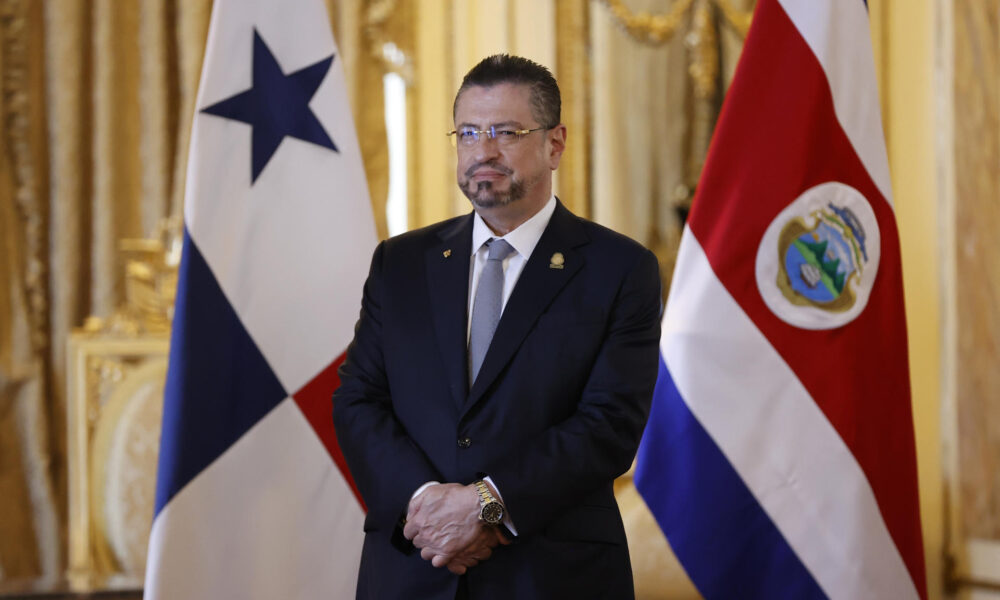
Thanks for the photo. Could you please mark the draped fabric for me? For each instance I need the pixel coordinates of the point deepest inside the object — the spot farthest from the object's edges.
(654, 109)
(97, 100)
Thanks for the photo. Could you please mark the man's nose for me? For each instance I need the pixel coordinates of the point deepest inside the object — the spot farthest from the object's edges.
(486, 148)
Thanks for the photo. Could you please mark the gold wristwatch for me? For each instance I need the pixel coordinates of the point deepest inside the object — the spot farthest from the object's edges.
(490, 509)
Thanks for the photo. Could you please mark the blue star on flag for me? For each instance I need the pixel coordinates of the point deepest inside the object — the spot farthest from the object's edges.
(277, 105)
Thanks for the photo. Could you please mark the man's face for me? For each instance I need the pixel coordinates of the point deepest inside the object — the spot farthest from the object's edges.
(492, 173)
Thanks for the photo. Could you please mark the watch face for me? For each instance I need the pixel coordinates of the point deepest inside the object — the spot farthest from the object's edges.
(493, 513)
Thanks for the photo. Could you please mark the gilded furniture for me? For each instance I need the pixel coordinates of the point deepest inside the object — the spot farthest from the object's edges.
(116, 373)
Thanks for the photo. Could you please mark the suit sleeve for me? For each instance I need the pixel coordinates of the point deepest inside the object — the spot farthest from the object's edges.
(386, 464)
(598, 441)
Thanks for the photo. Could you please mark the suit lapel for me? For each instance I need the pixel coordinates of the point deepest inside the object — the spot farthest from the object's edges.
(537, 286)
(448, 286)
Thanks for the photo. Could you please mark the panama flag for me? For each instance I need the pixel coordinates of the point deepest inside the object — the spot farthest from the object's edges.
(779, 456)
(253, 497)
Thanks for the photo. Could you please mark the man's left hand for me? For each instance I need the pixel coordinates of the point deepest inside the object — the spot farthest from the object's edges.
(480, 550)
(443, 521)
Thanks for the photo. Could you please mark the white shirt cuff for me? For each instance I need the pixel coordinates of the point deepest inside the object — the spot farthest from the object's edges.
(421, 489)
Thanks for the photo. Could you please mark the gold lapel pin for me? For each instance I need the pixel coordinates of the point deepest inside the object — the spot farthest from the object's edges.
(557, 260)
(447, 253)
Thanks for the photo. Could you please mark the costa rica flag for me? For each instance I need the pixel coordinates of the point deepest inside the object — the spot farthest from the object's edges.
(779, 456)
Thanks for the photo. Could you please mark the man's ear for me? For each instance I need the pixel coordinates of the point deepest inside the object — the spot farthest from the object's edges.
(557, 145)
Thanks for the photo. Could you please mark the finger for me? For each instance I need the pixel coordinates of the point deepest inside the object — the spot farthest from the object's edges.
(466, 561)
(457, 569)
(427, 554)
(440, 560)
(410, 530)
(425, 540)
(414, 506)
(502, 538)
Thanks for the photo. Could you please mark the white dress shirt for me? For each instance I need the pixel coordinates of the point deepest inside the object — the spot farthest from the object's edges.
(523, 239)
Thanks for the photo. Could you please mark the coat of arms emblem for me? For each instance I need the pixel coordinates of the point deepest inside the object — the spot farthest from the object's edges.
(818, 259)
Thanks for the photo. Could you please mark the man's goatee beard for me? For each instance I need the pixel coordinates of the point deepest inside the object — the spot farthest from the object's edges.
(485, 197)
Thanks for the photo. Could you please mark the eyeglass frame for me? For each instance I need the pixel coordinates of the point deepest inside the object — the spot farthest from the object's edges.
(492, 133)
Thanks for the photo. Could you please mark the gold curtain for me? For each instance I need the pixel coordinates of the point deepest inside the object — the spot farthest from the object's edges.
(97, 103)
(97, 97)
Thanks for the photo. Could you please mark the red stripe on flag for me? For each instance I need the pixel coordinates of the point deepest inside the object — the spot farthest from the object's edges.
(778, 135)
(314, 400)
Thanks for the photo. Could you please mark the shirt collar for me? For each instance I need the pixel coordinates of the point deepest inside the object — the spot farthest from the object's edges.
(523, 238)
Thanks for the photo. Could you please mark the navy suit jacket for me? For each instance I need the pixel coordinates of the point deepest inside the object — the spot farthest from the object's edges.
(554, 416)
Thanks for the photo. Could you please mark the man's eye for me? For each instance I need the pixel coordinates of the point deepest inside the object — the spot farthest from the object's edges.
(506, 133)
(467, 134)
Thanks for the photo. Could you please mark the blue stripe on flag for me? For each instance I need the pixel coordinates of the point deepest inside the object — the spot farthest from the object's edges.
(218, 383)
(727, 544)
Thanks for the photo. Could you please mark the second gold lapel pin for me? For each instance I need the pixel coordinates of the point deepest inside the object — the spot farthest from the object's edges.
(557, 260)
(447, 253)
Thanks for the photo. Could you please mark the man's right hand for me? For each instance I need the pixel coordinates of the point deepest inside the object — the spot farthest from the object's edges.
(443, 520)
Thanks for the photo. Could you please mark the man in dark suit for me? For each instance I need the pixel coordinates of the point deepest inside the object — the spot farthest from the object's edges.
(500, 374)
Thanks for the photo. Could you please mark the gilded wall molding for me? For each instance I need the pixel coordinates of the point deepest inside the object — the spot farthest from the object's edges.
(573, 72)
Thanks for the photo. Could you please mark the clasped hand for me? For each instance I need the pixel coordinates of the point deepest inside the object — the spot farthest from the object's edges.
(443, 521)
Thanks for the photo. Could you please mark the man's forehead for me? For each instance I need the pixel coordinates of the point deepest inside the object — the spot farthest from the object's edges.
(500, 103)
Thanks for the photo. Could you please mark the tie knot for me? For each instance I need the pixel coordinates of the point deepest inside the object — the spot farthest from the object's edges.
(499, 249)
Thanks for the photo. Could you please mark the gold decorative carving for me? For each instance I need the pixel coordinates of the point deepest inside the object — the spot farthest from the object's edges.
(150, 285)
(703, 42)
(738, 19)
(124, 451)
(648, 28)
(658, 29)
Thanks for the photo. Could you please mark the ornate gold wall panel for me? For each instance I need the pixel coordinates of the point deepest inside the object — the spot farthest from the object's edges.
(977, 264)
(968, 83)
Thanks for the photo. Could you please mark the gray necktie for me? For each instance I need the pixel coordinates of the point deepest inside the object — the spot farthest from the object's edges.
(487, 306)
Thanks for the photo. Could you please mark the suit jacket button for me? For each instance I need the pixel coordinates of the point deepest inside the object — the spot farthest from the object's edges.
(464, 442)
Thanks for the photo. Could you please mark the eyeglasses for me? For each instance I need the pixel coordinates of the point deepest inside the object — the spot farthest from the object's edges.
(503, 136)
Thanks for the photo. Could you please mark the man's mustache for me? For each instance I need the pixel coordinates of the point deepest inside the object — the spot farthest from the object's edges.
(490, 164)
